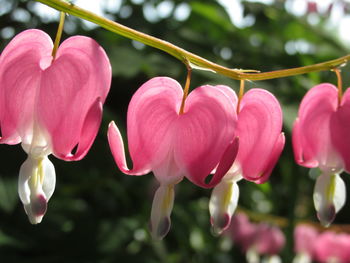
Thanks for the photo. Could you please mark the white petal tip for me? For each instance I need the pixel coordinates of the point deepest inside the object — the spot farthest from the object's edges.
(222, 205)
(160, 230)
(329, 197)
(161, 209)
(220, 223)
(36, 209)
(327, 215)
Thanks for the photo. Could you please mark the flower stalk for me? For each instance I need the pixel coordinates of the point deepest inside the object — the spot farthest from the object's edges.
(186, 89)
(58, 35)
(337, 71)
(240, 94)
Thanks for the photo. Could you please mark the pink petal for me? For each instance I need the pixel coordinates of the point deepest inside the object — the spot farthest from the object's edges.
(152, 115)
(242, 231)
(87, 134)
(117, 147)
(20, 71)
(330, 245)
(174, 145)
(259, 132)
(304, 239)
(229, 92)
(227, 159)
(79, 75)
(269, 240)
(205, 130)
(340, 130)
(152, 118)
(274, 156)
(311, 135)
(302, 155)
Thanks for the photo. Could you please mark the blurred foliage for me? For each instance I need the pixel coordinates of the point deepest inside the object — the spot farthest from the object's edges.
(98, 214)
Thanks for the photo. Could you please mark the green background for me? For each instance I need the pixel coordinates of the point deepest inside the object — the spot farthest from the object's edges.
(98, 214)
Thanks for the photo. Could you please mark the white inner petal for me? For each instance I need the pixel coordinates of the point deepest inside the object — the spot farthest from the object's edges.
(36, 142)
(223, 203)
(36, 184)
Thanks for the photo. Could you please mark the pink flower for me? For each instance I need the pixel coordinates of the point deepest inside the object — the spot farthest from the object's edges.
(269, 240)
(242, 231)
(174, 145)
(304, 240)
(332, 247)
(50, 106)
(320, 139)
(260, 145)
(256, 240)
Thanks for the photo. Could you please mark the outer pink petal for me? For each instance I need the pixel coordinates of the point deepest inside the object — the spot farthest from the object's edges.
(151, 122)
(80, 74)
(206, 129)
(227, 159)
(269, 240)
(331, 245)
(305, 237)
(340, 130)
(301, 154)
(88, 132)
(274, 156)
(311, 138)
(117, 147)
(259, 132)
(229, 92)
(151, 127)
(20, 70)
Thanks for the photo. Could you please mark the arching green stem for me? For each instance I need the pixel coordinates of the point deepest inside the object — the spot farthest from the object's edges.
(185, 56)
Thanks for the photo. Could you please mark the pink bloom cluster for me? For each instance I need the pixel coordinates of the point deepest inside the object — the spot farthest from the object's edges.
(255, 239)
(207, 136)
(53, 105)
(326, 247)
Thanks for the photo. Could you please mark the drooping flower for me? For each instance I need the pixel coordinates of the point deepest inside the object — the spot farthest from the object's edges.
(256, 239)
(50, 106)
(174, 145)
(260, 145)
(269, 241)
(242, 231)
(331, 247)
(305, 237)
(320, 139)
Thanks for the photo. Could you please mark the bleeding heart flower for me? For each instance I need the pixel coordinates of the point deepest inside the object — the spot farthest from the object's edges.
(304, 241)
(50, 106)
(174, 145)
(256, 240)
(242, 231)
(320, 139)
(269, 240)
(331, 247)
(260, 145)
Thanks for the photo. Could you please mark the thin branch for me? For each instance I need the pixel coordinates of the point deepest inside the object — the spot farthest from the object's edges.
(185, 56)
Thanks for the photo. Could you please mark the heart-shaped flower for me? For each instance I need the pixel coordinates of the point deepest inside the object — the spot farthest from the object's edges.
(260, 145)
(320, 139)
(50, 106)
(174, 145)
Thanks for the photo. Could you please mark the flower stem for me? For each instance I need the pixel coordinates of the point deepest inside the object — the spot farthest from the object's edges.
(240, 95)
(185, 56)
(58, 35)
(339, 84)
(186, 89)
